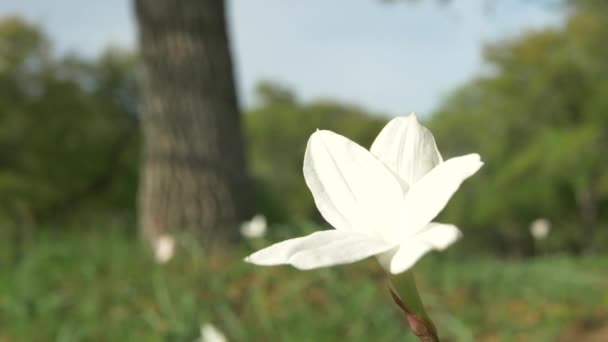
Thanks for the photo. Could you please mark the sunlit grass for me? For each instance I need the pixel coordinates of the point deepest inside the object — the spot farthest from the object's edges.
(105, 286)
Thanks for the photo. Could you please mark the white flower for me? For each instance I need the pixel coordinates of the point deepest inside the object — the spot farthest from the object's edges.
(540, 228)
(164, 248)
(209, 333)
(256, 228)
(380, 203)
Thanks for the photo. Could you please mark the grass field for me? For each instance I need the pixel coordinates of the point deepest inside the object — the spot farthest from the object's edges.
(105, 287)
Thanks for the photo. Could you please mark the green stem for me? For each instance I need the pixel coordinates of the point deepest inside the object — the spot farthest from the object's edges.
(405, 294)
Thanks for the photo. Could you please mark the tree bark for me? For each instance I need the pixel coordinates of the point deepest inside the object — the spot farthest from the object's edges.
(193, 173)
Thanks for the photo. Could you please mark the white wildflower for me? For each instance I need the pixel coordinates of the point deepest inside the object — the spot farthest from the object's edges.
(380, 202)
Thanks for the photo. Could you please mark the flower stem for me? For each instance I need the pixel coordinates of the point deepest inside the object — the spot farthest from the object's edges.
(405, 294)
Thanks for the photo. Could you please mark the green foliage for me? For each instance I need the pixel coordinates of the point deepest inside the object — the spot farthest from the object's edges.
(69, 150)
(539, 119)
(68, 131)
(103, 286)
(69, 137)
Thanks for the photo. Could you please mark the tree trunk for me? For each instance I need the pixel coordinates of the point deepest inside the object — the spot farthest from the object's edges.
(193, 173)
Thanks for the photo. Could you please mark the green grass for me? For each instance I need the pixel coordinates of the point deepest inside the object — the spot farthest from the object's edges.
(105, 287)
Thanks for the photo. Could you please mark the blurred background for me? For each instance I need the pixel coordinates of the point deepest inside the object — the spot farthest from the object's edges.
(147, 146)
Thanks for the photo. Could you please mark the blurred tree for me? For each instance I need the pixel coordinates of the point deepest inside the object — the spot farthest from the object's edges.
(55, 114)
(194, 175)
(68, 134)
(539, 119)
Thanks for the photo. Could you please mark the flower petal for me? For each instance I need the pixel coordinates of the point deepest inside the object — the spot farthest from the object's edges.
(319, 249)
(407, 148)
(407, 255)
(439, 235)
(427, 197)
(351, 188)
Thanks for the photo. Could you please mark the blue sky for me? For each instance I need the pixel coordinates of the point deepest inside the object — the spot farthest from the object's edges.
(393, 59)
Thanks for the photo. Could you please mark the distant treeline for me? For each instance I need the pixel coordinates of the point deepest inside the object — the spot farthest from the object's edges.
(69, 138)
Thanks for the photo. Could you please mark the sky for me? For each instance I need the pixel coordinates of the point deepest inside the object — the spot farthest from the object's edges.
(388, 58)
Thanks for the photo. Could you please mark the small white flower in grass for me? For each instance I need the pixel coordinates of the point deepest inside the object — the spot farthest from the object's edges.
(380, 203)
(256, 228)
(164, 247)
(540, 228)
(209, 333)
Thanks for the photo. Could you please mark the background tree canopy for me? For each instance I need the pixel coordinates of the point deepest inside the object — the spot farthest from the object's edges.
(69, 139)
(539, 120)
(68, 133)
